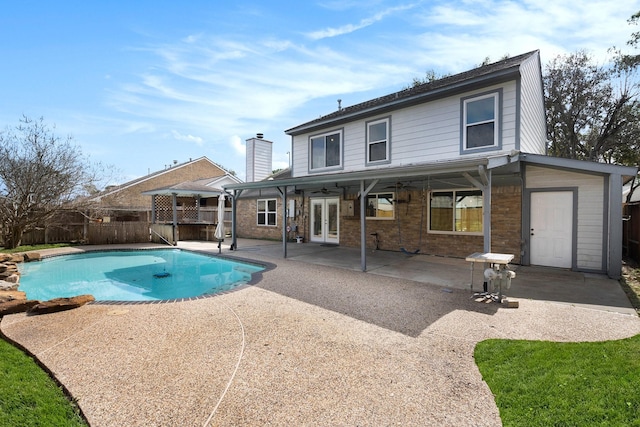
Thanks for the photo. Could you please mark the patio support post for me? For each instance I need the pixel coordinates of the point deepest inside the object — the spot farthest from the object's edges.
(198, 214)
(363, 229)
(234, 209)
(486, 213)
(485, 187)
(283, 194)
(363, 222)
(174, 203)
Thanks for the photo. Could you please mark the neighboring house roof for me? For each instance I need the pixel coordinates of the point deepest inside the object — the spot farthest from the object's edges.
(156, 174)
(446, 86)
(187, 189)
(207, 187)
(281, 174)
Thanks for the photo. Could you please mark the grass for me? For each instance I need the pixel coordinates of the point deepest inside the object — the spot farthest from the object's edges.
(563, 384)
(28, 248)
(540, 383)
(28, 396)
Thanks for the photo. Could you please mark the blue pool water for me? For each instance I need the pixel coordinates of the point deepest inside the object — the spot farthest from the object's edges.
(147, 275)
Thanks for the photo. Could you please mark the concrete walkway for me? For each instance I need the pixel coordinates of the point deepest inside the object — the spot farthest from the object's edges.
(312, 344)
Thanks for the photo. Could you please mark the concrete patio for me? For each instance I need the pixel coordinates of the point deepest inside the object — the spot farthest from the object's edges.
(314, 342)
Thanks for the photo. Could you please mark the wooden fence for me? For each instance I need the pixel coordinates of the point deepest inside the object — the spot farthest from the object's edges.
(631, 232)
(91, 233)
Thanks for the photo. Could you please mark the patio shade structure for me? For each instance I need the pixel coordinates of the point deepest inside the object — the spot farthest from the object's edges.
(220, 232)
(194, 189)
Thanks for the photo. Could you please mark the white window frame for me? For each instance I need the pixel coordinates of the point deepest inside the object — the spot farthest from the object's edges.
(266, 212)
(454, 209)
(496, 122)
(324, 135)
(376, 196)
(386, 140)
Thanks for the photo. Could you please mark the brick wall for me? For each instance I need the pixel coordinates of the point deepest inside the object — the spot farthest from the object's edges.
(246, 217)
(506, 221)
(404, 230)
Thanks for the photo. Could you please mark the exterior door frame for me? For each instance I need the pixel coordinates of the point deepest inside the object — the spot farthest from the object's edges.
(526, 222)
(325, 234)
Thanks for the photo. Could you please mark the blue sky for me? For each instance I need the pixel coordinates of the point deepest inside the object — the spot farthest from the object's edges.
(139, 84)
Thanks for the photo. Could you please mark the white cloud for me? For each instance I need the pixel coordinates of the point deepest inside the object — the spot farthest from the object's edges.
(238, 145)
(188, 138)
(349, 28)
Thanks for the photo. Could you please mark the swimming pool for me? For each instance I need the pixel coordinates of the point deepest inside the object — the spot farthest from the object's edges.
(140, 275)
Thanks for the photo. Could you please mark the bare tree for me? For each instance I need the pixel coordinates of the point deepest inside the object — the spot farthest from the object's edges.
(40, 173)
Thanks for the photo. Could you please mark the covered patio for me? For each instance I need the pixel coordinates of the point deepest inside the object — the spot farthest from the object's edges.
(187, 211)
(480, 173)
(504, 201)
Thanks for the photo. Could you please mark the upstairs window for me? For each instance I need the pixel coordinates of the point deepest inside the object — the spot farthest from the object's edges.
(480, 122)
(378, 141)
(326, 150)
(457, 211)
(267, 212)
(380, 206)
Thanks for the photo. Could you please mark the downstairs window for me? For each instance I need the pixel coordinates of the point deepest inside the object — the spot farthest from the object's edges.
(456, 211)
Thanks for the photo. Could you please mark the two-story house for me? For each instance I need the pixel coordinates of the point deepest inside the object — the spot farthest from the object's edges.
(449, 167)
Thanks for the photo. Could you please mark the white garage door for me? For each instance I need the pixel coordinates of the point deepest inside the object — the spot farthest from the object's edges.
(551, 228)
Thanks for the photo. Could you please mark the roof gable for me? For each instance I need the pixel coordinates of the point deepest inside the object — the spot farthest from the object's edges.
(157, 174)
(487, 74)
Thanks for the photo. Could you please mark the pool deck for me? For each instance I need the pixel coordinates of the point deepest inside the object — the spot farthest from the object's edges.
(315, 342)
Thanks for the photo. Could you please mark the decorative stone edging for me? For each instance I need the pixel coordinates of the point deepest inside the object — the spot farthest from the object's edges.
(14, 301)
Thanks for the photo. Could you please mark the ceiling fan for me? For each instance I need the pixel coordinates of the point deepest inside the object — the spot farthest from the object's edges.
(400, 186)
(323, 190)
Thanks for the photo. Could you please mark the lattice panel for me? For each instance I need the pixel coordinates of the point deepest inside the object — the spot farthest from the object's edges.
(164, 209)
(189, 209)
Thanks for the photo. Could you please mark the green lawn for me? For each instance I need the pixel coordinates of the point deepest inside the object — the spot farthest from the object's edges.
(27, 248)
(28, 396)
(539, 383)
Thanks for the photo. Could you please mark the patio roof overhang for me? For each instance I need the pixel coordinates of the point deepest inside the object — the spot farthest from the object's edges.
(386, 176)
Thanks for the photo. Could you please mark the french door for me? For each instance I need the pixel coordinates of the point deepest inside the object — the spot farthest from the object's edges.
(325, 224)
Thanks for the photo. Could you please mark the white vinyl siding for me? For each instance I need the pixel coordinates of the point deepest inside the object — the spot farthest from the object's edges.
(533, 124)
(422, 133)
(590, 209)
